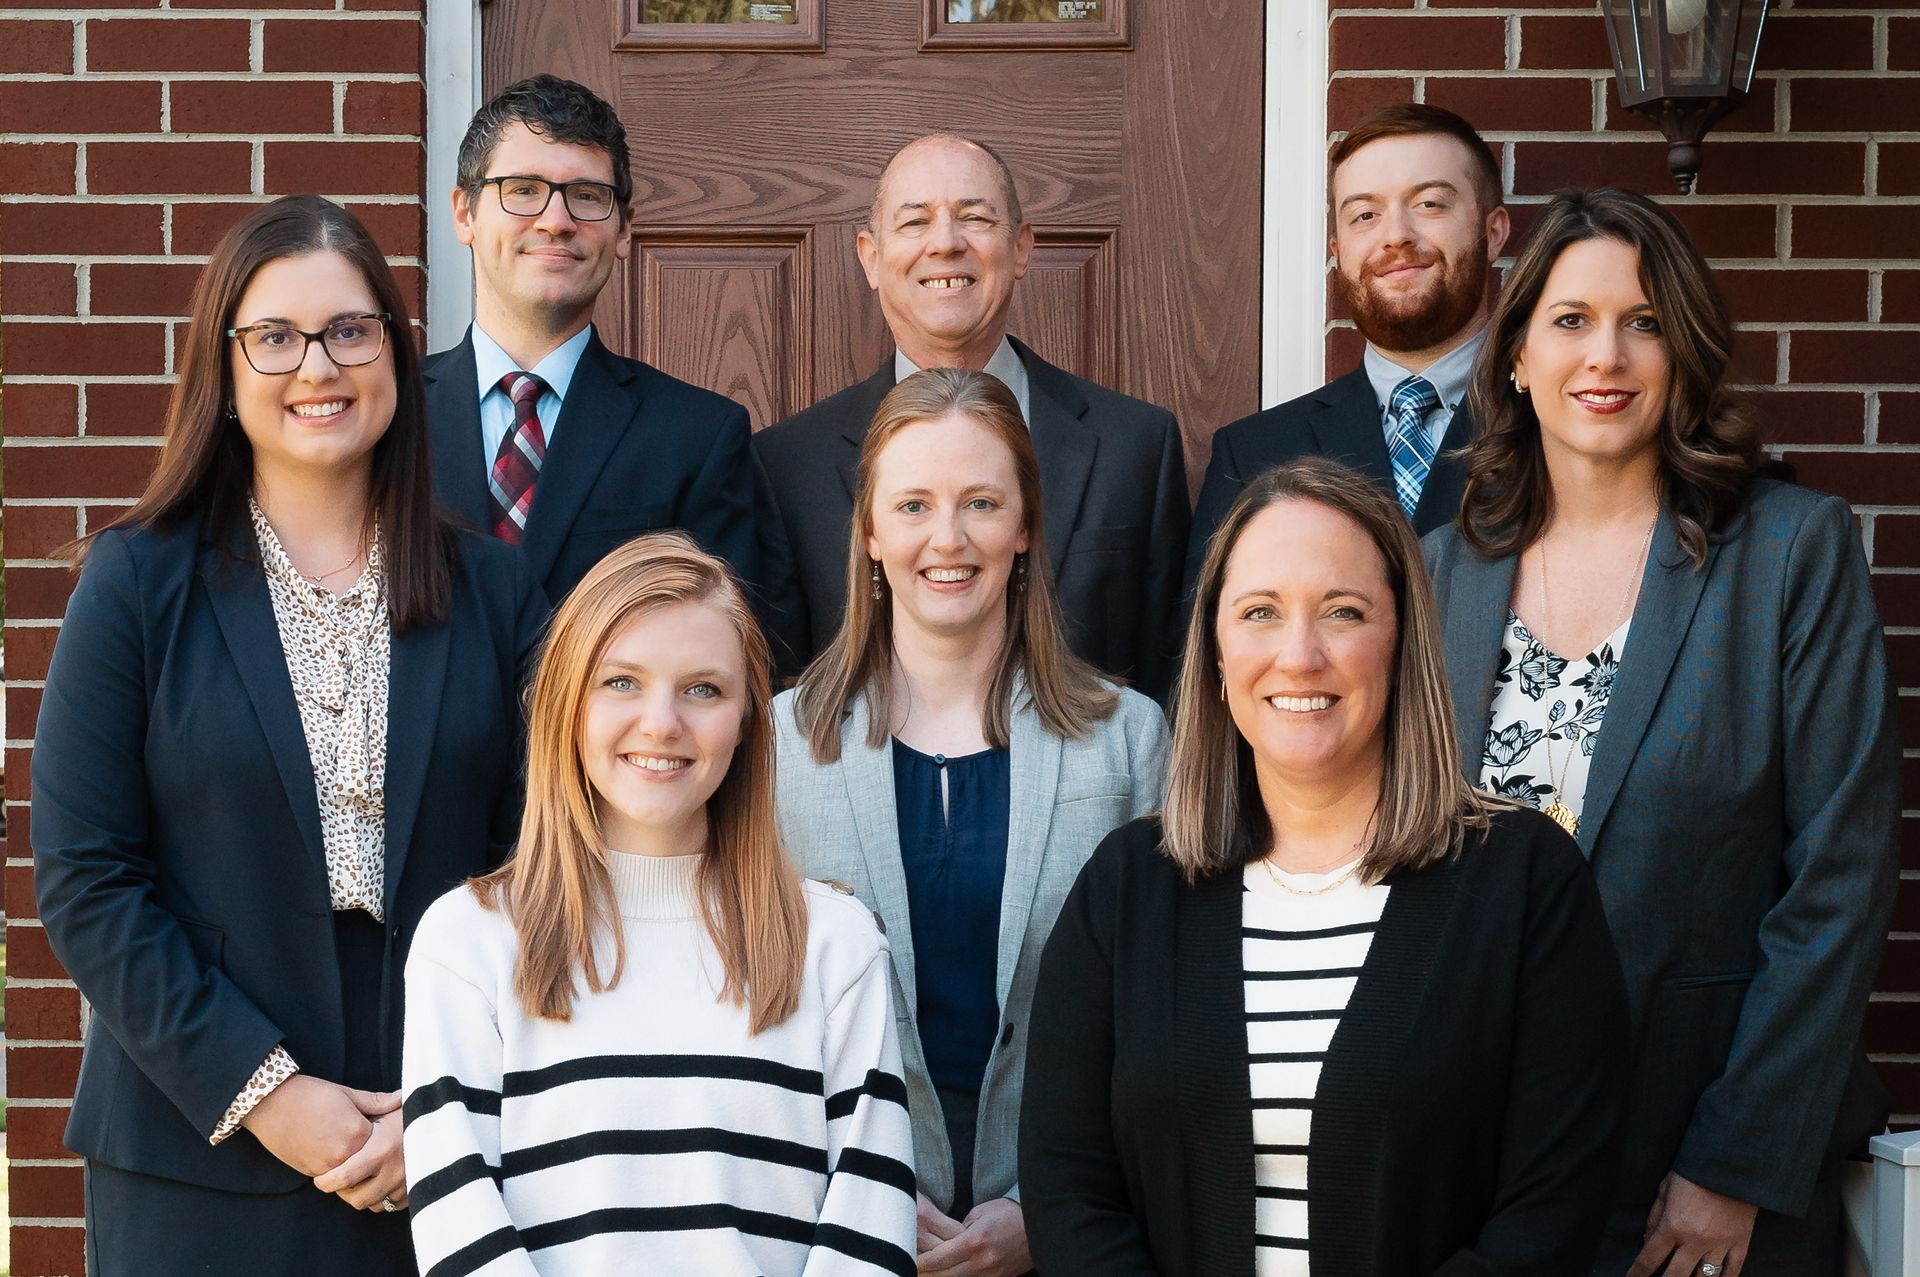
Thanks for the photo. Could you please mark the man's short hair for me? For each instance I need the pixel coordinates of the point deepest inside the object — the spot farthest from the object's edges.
(1009, 192)
(554, 108)
(1415, 119)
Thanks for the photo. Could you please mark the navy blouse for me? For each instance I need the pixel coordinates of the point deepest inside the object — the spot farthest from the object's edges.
(955, 857)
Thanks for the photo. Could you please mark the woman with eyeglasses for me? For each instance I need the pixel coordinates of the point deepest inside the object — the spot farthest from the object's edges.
(281, 719)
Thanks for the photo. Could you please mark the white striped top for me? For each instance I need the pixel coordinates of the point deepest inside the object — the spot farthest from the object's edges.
(652, 1134)
(1301, 956)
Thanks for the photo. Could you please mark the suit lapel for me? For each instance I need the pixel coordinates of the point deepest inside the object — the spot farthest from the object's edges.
(869, 779)
(1346, 427)
(860, 409)
(1064, 445)
(1034, 763)
(453, 421)
(602, 401)
(244, 610)
(1669, 594)
(1447, 482)
(414, 684)
(1478, 593)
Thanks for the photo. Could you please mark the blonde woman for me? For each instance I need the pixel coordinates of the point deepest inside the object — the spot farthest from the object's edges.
(1334, 1012)
(644, 1045)
(949, 757)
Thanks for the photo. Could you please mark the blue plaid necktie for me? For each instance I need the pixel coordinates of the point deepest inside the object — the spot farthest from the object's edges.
(1407, 441)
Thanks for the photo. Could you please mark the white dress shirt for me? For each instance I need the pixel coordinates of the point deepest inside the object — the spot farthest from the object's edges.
(1005, 365)
(491, 363)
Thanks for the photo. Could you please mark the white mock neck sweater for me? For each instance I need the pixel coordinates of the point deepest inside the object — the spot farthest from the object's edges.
(651, 1134)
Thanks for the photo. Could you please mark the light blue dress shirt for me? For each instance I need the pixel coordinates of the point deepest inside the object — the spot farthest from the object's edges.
(1005, 365)
(496, 410)
(1448, 375)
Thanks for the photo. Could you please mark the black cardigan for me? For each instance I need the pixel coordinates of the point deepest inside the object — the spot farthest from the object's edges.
(1467, 1115)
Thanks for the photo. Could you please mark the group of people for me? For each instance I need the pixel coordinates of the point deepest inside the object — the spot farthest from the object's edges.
(506, 820)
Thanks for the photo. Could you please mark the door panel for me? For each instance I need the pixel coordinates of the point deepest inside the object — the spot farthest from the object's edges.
(1140, 168)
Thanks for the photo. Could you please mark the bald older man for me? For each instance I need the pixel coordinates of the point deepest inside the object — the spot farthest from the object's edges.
(944, 247)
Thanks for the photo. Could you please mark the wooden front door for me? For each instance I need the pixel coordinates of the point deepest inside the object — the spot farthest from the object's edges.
(1135, 141)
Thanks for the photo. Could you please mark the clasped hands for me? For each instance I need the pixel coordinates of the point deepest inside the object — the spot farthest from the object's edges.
(990, 1242)
(347, 1141)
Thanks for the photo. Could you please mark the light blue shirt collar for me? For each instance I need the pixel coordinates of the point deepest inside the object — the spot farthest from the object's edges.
(1448, 374)
(1005, 365)
(491, 363)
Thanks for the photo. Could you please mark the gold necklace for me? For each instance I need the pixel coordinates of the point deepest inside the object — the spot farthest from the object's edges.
(1561, 814)
(319, 582)
(1322, 889)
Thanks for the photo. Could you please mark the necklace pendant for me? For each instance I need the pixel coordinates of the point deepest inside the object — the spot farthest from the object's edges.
(1562, 815)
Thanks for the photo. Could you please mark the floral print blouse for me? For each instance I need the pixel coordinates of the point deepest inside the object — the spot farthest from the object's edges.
(1546, 717)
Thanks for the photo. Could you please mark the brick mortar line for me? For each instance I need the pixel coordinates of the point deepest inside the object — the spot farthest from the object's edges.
(168, 138)
(208, 15)
(219, 77)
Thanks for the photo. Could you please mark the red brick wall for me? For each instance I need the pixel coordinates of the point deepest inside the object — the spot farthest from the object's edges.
(1808, 205)
(136, 135)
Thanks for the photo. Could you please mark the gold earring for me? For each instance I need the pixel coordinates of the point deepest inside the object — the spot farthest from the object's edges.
(878, 594)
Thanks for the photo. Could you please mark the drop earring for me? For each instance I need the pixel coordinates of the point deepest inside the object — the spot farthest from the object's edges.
(1019, 571)
(878, 594)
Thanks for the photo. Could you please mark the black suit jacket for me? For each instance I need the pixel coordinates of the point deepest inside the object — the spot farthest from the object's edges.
(1116, 517)
(1340, 420)
(634, 451)
(1466, 1119)
(177, 846)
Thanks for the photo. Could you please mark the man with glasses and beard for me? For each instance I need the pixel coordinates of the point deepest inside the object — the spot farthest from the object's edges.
(541, 435)
(1417, 223)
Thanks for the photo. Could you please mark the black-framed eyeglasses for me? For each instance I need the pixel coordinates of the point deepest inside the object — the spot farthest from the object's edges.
(529, 197)
(272, 347)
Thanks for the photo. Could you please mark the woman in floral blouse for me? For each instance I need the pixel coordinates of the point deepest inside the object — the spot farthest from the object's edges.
(1677, 658)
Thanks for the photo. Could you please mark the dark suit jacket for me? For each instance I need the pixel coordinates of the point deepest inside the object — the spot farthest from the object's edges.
(634, 451)
(1741, 816)
(176, 833)
(1340, 420)
(1115, 482)
(1466, 1118)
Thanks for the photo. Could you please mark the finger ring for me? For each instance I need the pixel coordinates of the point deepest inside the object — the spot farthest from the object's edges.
(1710, 1269)
(388, 1205)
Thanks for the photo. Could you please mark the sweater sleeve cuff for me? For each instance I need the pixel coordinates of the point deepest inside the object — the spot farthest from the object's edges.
(275, 1069)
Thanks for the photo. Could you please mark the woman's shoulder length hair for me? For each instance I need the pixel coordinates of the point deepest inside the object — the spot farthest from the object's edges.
(1214, 820)
(205, 470)
(1064, 689)
(557, 888)
(1709, 446)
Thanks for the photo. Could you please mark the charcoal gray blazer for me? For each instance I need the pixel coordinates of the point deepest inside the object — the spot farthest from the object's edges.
(838, 821)
(1741, 818)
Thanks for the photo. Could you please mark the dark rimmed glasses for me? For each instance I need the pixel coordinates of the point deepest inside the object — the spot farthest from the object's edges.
(272, 347)
(529, 197)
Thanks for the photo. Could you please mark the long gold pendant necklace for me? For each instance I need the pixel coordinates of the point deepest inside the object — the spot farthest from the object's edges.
(1561, 814)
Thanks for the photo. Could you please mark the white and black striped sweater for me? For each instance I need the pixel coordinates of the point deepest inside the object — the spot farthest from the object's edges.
(651, 1134)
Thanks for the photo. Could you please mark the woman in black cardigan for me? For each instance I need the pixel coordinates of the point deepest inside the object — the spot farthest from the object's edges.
(1322, 869)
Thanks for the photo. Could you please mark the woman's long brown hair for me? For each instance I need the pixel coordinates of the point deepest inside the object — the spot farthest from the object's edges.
(206, 465)
(1066, 691)
(1214, 819)
(1709, 446)
(557, 888)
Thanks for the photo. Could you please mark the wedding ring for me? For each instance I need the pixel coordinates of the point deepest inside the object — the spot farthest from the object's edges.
(388, 1205)
(1710, 1269)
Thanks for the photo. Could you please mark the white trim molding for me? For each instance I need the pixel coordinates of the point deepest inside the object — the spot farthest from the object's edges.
(453, 95)
(1293, 265)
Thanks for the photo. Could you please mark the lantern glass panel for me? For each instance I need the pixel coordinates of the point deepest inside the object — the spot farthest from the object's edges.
(1699, 40)
(1746, 43)
(1631, 32)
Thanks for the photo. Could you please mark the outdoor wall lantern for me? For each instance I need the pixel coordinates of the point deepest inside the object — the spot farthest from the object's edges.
(1684, 64)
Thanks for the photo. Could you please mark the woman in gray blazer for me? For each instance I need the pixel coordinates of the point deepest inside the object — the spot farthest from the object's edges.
(1679, 660)
(954, 764)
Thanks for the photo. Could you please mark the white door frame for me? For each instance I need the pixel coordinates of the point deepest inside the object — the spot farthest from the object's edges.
(1293, 260)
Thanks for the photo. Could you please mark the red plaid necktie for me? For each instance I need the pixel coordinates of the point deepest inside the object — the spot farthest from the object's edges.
(518, 463)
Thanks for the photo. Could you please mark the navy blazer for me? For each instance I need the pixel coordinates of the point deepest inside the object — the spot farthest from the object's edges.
(1114, 478)
(634, 451)
(1741, 817)
(1340, 420)
(177, 847)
